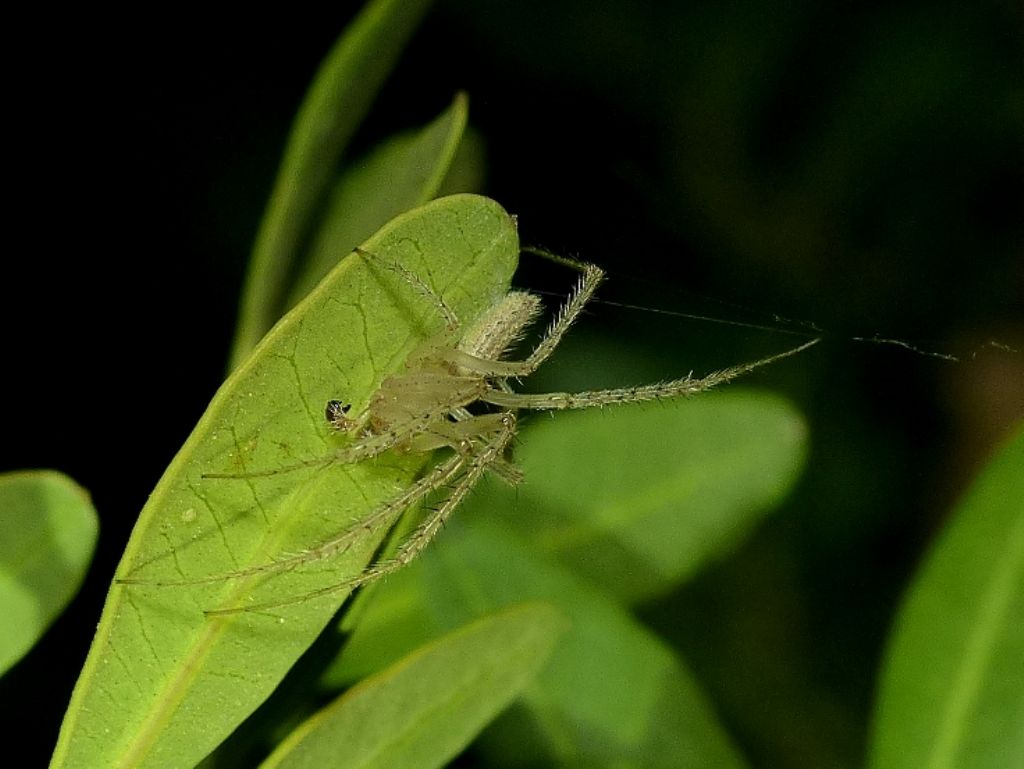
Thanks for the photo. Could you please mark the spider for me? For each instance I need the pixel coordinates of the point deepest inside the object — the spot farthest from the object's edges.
(454, 392)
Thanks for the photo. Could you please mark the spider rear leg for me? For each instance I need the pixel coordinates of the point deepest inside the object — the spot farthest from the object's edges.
(381, 517)
(471, 470)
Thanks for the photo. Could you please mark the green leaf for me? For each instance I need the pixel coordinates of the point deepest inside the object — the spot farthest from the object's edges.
(467, 169)
(163, 683)
(333, 108)
(613, 694)
(952, 689)
(396, 176)
(49, 532)
(393, 618)
(423, 710)
(638, 498)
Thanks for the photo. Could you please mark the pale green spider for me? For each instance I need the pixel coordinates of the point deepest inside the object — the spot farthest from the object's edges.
(454, 392)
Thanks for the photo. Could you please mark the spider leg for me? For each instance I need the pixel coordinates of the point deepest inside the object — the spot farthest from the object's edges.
(383, 516)
(567, 315)
(424, 535)
(416, 282)
(366, 447)
(459, 435)
(504, 469)
(475, 466)
(562, 322)
(675, 388)
(318, 462)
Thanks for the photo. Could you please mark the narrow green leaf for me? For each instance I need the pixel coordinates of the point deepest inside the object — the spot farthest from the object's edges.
(49, 532)
(613, 695)
(163, 683)
(638, 498)
(423, 710)
(468, 168)
(397, 175)
(335, 105)
(952, 689)
(394, 616)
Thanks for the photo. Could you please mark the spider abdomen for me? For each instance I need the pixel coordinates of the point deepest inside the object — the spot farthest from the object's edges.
(500, 328)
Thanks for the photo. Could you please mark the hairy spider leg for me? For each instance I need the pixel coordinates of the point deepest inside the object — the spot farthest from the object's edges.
(475, 466)
(581, 295)
(473, 353)
(416, 282)
(682, 387)
(366, 447)
(383, 515)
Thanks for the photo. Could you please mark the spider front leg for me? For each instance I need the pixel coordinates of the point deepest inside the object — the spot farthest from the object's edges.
(682, 387)
(416, 282)
(365, 447)
(481, 347)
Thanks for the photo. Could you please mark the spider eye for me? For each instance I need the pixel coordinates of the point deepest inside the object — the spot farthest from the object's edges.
(336, 411)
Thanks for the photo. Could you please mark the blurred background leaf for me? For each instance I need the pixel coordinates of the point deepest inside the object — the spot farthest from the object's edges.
(337, 101)
(423, 710)
(404, 172)
(952, 689)
(49, 531)
(638, 498)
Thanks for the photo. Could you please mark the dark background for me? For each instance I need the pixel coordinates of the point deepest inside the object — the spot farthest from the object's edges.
(858, 166)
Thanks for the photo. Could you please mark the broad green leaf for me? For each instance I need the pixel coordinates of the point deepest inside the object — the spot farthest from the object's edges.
(333, 108)
(952, 689)
(398, 175)
(163, 683)
(49, 532)
(423, 710)
(613, 695)
(638, 498)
